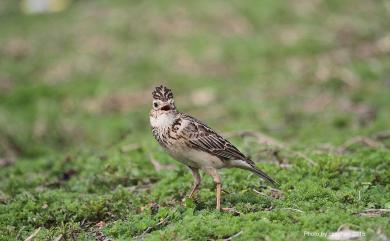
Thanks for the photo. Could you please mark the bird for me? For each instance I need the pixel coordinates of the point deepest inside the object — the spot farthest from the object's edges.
(194, 144)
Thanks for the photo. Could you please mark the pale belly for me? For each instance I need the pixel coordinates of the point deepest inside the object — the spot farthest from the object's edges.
(195, 158)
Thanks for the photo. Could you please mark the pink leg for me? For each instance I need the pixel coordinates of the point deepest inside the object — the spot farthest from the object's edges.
(197, 180)
(217, 181)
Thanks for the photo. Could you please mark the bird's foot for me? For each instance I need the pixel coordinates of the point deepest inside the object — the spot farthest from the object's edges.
(232, 211)
(194, 191)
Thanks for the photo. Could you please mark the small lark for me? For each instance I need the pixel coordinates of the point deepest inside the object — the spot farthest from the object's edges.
(194, 144)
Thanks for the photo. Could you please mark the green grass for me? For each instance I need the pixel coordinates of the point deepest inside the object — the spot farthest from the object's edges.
(76, 91)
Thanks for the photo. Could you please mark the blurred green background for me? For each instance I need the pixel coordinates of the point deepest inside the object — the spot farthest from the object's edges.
(310, 73)
(304, 71)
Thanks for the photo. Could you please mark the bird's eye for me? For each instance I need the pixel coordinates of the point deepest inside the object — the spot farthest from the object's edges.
(155, 104)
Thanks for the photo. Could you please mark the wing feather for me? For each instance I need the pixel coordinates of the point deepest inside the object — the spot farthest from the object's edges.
(202, 137)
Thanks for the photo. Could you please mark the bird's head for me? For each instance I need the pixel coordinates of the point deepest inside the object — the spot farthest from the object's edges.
(163, 100)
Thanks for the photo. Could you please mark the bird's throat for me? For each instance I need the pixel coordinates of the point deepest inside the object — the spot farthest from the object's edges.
(162, 120)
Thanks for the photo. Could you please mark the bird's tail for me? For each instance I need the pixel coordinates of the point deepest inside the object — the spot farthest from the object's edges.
(263, 175)
(252, 167)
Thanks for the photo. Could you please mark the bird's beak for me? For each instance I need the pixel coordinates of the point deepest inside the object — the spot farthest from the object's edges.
(166, 108)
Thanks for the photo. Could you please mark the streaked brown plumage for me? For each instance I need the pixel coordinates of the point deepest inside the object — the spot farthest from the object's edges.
(193, 143)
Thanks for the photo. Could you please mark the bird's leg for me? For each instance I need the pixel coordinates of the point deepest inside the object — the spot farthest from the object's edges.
(218, 184)
(197, 180)
(218, 194)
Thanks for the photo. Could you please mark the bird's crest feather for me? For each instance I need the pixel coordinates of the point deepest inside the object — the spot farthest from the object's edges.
(162, 93)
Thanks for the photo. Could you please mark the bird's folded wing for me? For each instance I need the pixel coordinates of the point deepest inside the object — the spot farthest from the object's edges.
(201, 137)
